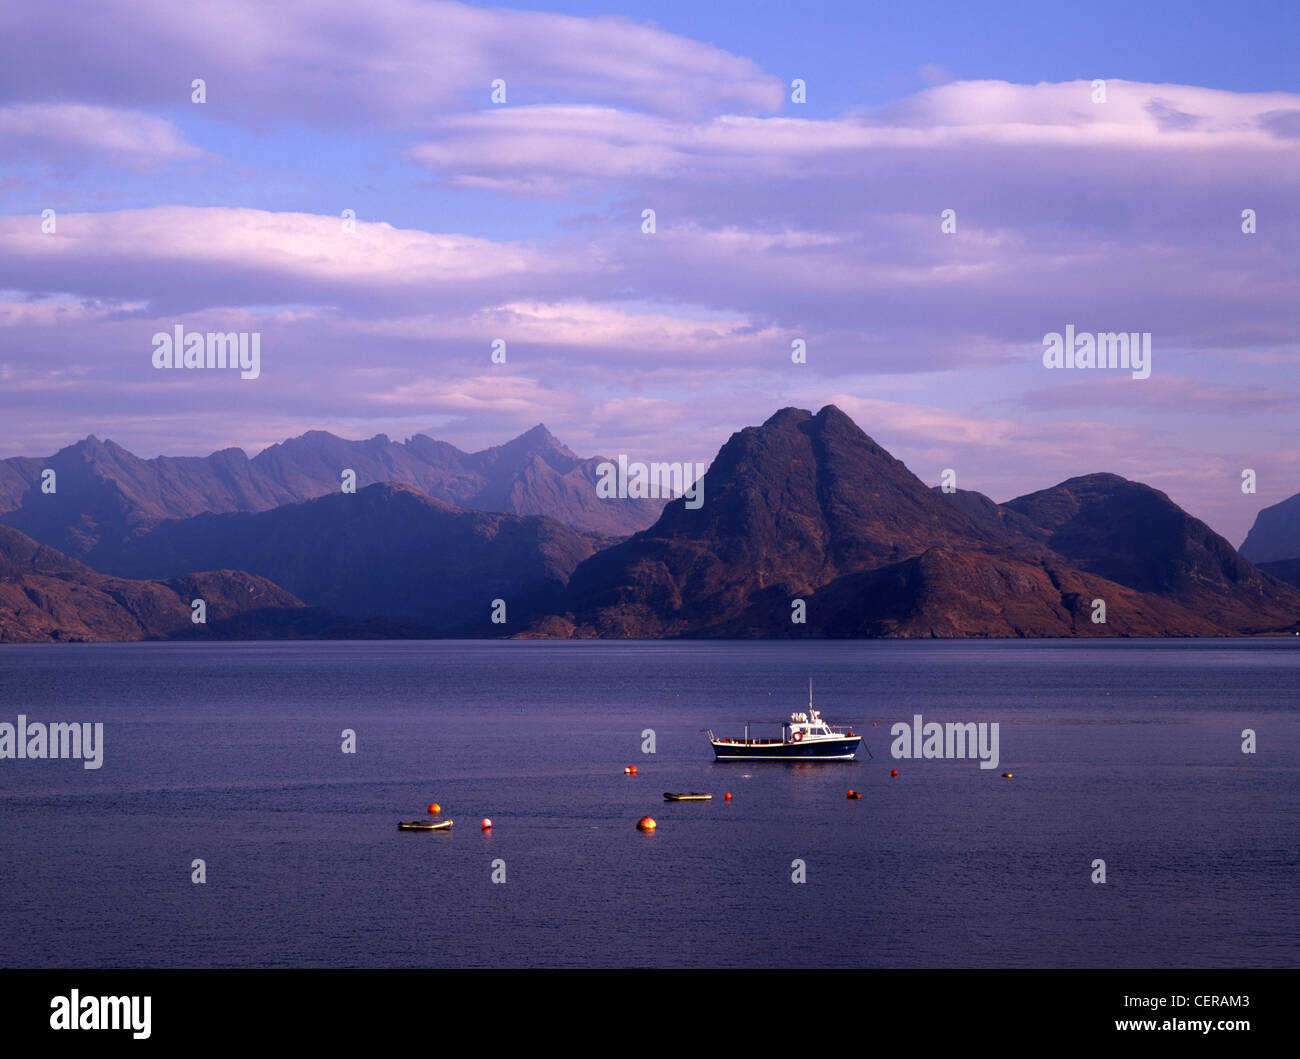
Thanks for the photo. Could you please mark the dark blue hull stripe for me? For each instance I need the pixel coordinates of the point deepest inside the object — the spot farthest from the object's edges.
(840, 750)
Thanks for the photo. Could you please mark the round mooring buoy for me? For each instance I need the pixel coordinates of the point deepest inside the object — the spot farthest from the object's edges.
(727, 796)
(486, 825)
(893, 772)
(435, 808)
(646, 823)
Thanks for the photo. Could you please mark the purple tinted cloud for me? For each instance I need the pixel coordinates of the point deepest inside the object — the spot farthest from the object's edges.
(332, 62)
(69, 134)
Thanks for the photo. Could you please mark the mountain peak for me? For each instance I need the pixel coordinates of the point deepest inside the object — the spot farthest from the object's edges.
(788, 415)
(830, 419)
(89, 443)
(834, 414)
(1100, 479)
(538, 439)
(834, 423)
(93, 448)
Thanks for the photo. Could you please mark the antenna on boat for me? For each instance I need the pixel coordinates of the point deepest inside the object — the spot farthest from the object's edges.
(810, 693)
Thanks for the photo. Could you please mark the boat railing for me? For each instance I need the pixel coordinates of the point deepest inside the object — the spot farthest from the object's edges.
(784, 738)
(829, 727)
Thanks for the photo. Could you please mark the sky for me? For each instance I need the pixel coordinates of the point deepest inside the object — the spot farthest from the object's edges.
(1097, 161)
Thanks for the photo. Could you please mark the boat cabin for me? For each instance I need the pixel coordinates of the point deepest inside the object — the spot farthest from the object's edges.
(806, 725)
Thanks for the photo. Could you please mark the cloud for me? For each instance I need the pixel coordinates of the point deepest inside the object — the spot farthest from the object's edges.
(1166, 391)
(72, 134)
(180, 258)
(952, 136)
(884, 291)
(394, 63)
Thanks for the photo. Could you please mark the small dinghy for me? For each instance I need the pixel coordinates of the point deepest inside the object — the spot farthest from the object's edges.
(424, 825)
(690, 796)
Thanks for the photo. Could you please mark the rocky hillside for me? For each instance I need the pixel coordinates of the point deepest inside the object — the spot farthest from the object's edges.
(45, 596)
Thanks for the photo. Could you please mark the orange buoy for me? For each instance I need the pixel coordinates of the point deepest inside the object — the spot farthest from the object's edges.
(632, 769)
(854, 794)
(486, 825)
(727, 796)
(1006, 775)
(435, 808)
(646, 823)
(893, 772)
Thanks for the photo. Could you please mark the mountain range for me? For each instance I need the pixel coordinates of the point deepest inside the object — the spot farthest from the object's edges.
(808, 529)
(809, 508)
(104, 495)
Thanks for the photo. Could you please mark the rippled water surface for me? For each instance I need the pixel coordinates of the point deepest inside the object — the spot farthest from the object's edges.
(1128, 752)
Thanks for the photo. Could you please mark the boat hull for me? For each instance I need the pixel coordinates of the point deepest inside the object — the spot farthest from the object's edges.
(809, 750)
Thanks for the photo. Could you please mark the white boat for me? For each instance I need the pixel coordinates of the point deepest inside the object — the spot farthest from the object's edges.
(805, 737)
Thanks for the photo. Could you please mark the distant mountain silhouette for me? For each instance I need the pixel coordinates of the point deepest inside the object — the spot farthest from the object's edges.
(386, 552)
(1275, 536)
(104, 494)
(810, 508)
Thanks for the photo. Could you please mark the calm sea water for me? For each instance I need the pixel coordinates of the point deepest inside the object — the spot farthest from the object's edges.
(1129, 752)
